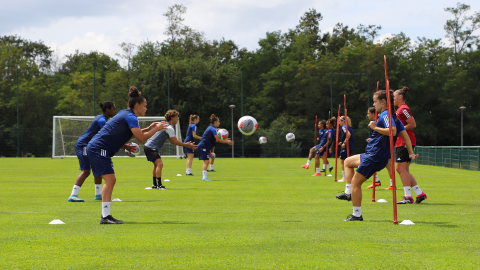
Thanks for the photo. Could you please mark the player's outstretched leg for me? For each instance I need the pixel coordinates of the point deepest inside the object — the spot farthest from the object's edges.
(310, 155)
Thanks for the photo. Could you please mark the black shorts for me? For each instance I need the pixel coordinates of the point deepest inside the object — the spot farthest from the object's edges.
(402, 154)
(151, 154)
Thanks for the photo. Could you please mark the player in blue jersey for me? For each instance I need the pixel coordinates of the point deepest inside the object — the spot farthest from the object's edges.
(209, 140)
(153, 145)
(116, 132)
(321, 152)
(375, 157)
(371, 117)
(190, 137)
(342, 143)
(313, 150)
(109, 111)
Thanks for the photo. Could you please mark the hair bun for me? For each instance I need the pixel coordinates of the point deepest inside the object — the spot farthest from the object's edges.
(212, 116)
(133, 92)
(405, 89)
(101, 105)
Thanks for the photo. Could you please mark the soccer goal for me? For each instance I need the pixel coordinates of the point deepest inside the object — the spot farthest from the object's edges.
(67, 130)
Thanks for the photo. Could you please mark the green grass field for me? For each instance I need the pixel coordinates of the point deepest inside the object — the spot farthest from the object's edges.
(256, 213)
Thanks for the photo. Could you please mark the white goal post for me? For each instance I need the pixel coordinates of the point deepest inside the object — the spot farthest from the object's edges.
(67, 130)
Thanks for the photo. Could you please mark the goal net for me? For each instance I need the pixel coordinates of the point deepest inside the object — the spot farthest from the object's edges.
(67, 130)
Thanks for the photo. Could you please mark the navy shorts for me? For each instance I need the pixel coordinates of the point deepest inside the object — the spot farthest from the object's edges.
(368, 167)
(100, 161)
(83, 158)
(343, 154)
(318, 146)
(203, 153)
(187, 150)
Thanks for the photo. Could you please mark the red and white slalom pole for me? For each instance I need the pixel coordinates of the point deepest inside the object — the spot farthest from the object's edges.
(392, 159)
(375, 174)
(336, 144)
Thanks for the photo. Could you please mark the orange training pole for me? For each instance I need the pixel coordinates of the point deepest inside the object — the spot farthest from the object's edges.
(346, 126)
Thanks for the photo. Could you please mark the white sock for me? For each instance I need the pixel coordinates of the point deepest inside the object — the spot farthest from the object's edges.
(318, 170)
(357, 211)
(417, 190)
(308, 162)
(189, 170)
(330, 165)
(75, 190)
(391, 182)
(348, 189)
(343, 173)
(408, 192)
(211, 167)
(204, 173)
(106, 209)
(98, 189)
(376, 178)
(323, 166)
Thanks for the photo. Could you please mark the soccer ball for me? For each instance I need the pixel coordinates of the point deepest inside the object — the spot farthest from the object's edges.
(222, 134)
(290, 137)
(247, 125)
(135, 151)
(212, 155)
(262, 140)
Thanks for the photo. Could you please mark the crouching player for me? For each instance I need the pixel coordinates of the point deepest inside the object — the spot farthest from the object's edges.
(153, 145)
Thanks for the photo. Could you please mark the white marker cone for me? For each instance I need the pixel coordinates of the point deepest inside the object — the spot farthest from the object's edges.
(116, 200)
(407, 222)
(382, 200)
(329, 175)
(179, 175)
(56, 221)
(166, 180)
(148, 188)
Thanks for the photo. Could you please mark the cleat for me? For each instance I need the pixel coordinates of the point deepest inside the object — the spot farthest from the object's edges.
(323, 170)
(377, 184)
(353, 218)
(74, 198)
(406, 200)
(162, 187)
(110, 220)
(211, 171)
(206, 179)
(189, 174)
(344, 196)
(305, 166)
(421, 198)
(98, 197)
(389, 188)
(330, 170)
(341, 180)
(317, 174)
(154, 187)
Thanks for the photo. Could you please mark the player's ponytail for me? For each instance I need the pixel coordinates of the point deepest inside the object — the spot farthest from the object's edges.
(192, 119)
(348, 119)
(371, 110)
(134, 97)
(213, 119)
(382, 94)
(332, 121)
(403, 92)
(106, 105)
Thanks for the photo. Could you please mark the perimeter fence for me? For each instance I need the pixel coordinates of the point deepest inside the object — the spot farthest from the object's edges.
(458, 157)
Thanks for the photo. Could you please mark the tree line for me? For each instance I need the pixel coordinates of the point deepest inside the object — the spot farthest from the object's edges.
(290, 78)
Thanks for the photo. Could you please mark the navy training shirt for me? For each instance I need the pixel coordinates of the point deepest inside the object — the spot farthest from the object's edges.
(189, 136)
(116, 132)
(351, 141)
(378, 148)
(98, 122)
(208, 139)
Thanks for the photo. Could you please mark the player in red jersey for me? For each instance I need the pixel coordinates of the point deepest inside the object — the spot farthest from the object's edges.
(402, 159)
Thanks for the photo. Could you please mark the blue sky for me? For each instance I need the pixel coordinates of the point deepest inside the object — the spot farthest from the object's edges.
(102, 25)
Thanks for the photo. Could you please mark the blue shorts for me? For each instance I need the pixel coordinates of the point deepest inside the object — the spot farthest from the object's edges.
(83, 158)
(368, 167)
(187, 150)
(203, 153)
(343, 154)
(100, 161)
(318, 146)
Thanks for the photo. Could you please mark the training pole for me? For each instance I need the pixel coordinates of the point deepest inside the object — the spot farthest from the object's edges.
(390, 132)
(336, 144)
(346, 125)
(375, 174)
(326, 150)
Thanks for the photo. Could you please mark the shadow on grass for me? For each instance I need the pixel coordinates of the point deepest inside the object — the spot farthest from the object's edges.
(163, 222)
(439, 224)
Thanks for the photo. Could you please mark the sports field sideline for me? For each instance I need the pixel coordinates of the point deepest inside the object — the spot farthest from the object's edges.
(256, 213)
